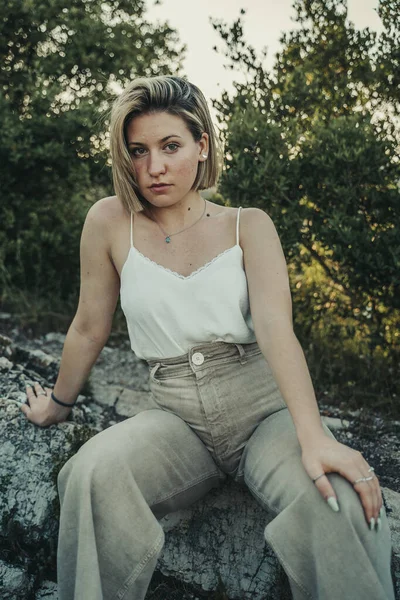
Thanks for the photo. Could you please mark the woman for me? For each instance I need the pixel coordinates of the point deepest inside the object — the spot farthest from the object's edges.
(206, 296)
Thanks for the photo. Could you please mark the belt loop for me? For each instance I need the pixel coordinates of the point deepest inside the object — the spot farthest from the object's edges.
(153, 372)
(243, 358)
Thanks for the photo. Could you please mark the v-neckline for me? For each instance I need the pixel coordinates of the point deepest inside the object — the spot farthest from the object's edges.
(175, 273)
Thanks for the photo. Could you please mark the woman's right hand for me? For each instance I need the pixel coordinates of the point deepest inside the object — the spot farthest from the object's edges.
(42, 410)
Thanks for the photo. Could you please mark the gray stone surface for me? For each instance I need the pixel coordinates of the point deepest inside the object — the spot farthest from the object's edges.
(335, 423)
(220, 538)
(131, 402)
(47, 591)
(15, 584)
(30, 458)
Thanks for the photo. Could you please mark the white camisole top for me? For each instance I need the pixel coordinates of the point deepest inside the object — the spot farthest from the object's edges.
(167, 313)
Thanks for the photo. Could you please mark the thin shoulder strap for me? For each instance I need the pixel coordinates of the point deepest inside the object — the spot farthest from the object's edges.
(237, 226)
(131, 229)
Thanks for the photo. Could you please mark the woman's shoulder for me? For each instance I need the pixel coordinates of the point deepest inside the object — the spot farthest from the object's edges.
(106, 208)
(219, 210)
(249, 218)
(103, 219)
(253, 215)
(254, 222)
(232, 211)
(107, 213)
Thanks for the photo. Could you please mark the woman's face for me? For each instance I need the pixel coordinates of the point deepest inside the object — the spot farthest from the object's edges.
(163, 150)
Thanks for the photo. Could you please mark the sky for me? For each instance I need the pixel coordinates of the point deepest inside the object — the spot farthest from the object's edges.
(264, 23)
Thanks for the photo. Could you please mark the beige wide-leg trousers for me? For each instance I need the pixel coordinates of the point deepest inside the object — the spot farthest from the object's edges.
(219, 415)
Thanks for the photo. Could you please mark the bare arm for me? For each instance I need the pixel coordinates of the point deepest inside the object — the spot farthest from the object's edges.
(271, 310)
(91, 325)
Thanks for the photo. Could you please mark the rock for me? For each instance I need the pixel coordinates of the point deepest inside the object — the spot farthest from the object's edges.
(15, 584)
(81, 400)
(31, 458)
(6, 346)
(5, 341)
(354, 413)
(106, 395)
(224, 534)
(5, 363)
(131, 402)
(121, 368)
(58, 338)
(221, 538)
(48, 591)
(335, 423)
(43, 364)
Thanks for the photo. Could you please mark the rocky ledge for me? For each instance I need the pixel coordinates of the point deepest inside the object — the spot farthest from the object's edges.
(215, 549)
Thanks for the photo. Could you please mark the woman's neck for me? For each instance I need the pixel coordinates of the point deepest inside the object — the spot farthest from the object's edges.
(178, 216)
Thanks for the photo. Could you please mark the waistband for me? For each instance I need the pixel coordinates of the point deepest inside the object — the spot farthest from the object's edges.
(198, 357)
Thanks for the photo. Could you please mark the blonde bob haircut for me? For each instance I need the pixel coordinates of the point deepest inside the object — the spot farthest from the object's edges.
(177, 97)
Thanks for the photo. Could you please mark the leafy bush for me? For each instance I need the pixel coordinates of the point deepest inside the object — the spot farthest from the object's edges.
(61, 65)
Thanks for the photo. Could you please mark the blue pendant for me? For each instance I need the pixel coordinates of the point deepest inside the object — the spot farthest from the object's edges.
(168, 239)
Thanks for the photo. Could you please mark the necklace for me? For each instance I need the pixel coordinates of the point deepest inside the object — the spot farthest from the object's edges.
(168, 236)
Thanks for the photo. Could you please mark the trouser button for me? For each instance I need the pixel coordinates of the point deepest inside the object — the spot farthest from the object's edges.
(198, 358)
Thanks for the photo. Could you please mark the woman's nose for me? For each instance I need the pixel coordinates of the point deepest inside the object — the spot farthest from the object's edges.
(156, 164)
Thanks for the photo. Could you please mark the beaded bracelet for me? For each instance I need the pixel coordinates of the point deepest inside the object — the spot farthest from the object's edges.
(59, 401)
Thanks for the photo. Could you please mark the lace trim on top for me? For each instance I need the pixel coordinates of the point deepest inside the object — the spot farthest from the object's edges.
(199, 270)
(179, 275)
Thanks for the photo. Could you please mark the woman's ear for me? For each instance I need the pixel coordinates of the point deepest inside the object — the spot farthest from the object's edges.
(204, 144)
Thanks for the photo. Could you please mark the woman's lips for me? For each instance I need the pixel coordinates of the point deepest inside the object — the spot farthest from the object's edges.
(160, 188)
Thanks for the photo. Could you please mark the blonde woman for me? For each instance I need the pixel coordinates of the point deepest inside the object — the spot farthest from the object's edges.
(206, 296)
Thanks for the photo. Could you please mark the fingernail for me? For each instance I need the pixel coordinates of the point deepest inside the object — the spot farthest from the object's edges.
(372, 523)
(379, 524)
(333, 503)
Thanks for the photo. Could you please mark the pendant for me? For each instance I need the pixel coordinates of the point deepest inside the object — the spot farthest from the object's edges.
(168, 239)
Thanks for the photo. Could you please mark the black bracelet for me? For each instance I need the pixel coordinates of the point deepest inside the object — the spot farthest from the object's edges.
(59, 401)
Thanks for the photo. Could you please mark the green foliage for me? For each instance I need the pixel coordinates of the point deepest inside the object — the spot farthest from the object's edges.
(61, 63)
(388, 54)
(315, 143)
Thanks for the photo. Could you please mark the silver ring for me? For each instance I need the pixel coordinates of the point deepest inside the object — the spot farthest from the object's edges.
(315, 479)
(362, 479)
(41, 394)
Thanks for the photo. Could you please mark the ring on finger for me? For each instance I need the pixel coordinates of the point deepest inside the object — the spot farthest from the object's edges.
(362, 479)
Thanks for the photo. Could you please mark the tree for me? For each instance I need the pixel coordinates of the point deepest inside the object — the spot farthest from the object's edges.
(315, 143)
(388, 54)
(61, 64)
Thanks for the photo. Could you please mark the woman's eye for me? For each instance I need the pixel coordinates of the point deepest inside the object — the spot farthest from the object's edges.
(135, 151)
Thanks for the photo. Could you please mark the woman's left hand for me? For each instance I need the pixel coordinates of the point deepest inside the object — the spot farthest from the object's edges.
(326, 455)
